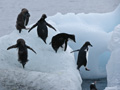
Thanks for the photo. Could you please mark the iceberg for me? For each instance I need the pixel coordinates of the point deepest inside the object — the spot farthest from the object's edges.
(113, 65)
(46, 70)
(94, 27)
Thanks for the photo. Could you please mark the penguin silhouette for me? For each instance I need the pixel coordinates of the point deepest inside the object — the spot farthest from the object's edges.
(42, 29)
(22, 51)
(93, 86)
(61, 38)
(22, 20)
(82, 56)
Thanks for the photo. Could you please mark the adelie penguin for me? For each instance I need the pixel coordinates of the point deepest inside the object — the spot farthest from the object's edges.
(83, 55)
(22, 20)
(22, 51)
(60, 39)
(93, 86)
(42, 29)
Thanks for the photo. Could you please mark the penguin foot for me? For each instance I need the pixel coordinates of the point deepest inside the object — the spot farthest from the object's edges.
(87, 69)
(27, 28)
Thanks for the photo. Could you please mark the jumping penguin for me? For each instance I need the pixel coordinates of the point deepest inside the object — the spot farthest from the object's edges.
(82, 56)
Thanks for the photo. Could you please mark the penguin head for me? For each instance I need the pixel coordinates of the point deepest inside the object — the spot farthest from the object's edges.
(44, 16)
(88, 44)
(93, 86)
(20, 42)
(24, 10)
(72, 37)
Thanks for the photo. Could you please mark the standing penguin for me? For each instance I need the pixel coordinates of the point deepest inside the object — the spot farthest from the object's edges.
(61, 38)
(22, 51)
(42, 29)
(82, 56)
(22, 20)
(93, 86)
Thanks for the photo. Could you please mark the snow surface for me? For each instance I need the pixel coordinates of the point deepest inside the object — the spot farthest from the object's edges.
(93, 27)
(113, 66)
(45, 70)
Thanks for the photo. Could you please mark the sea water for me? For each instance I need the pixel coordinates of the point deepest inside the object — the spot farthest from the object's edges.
(100, 83)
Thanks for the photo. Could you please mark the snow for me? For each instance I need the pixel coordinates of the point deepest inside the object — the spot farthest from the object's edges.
(44, 71)
(113, 66)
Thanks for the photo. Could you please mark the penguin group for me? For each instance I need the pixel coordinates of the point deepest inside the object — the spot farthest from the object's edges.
(57, 41)
(42, 31)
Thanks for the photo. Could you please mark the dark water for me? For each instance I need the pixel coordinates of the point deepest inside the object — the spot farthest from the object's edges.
(100, 83)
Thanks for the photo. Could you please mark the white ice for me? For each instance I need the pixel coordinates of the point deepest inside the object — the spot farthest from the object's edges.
(46, 70)
(113, 66)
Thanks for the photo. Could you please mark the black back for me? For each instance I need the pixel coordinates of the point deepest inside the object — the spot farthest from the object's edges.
(22, 51)
(22, 20)
(61, 38)
(82, 57)
(42, 29)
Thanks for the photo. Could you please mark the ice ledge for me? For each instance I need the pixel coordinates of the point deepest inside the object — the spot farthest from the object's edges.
(46, 70)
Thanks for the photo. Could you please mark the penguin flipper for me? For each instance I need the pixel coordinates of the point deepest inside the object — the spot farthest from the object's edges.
(75, 51)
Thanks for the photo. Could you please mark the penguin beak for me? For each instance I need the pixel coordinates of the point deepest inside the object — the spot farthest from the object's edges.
(90, 45)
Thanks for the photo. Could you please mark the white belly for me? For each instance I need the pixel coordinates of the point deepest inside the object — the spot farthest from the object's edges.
(86, 54)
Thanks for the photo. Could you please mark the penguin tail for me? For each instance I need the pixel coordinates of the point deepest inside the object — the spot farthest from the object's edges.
(23, 65)
(45, 41)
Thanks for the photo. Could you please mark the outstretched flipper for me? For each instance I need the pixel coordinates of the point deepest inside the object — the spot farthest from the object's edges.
(31, 49)
(50, 26)
(13, 46)
(33, 27)
(75, 51)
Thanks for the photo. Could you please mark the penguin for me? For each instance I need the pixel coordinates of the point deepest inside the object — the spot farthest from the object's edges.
(61, 38)
(93, 86)
(22, 20)
(42, 29)
(22, 51)
(82, 56)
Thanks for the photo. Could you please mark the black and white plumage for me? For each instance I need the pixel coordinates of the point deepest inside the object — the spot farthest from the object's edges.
(93, 86)
(60, 39)
(22, 51)
(83, 55)
(42, 29)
